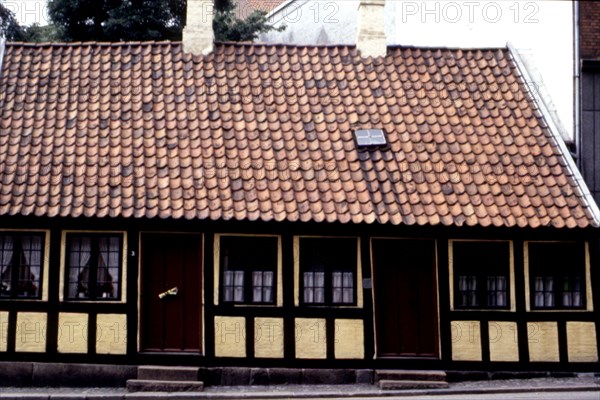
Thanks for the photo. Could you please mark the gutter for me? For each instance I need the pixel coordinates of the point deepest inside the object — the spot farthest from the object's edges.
(577, 86)
(2, 49)
(586, 196)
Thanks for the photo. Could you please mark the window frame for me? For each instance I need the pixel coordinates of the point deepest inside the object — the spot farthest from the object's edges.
(44, 265)
(298, 276)
(453, 275)
(219, 270)
(64, 267)
(589, 301)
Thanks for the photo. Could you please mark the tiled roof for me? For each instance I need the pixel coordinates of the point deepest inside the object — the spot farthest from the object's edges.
(255, 132)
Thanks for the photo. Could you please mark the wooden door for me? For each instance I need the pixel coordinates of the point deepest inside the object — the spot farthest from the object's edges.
(172, 322)
(405, 288)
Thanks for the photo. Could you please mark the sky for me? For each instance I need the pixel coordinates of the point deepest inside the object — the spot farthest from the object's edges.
(28, 12)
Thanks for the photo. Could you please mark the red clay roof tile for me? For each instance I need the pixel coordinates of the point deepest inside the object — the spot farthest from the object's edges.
(265, 132)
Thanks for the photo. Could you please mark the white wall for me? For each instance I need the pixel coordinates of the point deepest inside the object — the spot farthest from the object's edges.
(541, 30)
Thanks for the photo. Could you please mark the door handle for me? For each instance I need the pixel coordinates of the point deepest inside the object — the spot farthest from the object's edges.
(170, 292)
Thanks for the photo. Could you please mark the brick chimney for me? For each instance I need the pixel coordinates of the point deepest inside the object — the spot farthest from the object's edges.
(198, 34)
(371, 39)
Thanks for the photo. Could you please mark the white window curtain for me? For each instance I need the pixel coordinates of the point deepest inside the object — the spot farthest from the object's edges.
(262, 286)
(544, 291)
(228, 286)
(577, 293)
(108, 267)
(79, 259)
(501, 291)
(5, 259)
(348, 283)
(314, 287)
(238, 281)
(29, 274)
(309, 287)
(233, 285)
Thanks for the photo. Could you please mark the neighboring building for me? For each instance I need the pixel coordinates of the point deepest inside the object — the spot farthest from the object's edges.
(589, 63)
(289, 206)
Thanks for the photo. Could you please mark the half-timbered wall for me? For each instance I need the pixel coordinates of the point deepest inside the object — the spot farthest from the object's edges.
(293, 332)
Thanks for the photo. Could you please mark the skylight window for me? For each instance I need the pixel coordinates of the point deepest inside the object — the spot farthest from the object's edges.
(370, 137)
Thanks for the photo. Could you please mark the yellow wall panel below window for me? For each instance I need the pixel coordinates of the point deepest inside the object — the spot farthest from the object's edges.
(311, 342)
(31, 332)
(349, 339)
(543, 341)
(466, 340)
(111, 334)
(72, 333)
(268, 337)
(504, 344)
(581, 342)
(3, 330)
(230, 337)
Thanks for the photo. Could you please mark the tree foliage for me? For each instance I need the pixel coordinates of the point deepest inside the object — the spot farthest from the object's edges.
(9, 27)
(228, 27)
(138, 20)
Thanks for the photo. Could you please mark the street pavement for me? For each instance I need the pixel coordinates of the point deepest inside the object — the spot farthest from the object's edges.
(585, 387)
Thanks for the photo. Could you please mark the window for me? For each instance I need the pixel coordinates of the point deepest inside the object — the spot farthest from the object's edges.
(557, 275)
(481, 274)
(249, 266)
(369, 137)
(94, 266)
(21, 258)
(328, 271)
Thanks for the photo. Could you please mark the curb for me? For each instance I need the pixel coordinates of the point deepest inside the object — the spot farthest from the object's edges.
(291, 394)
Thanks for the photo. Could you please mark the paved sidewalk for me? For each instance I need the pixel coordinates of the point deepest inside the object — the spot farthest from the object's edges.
(580, 384)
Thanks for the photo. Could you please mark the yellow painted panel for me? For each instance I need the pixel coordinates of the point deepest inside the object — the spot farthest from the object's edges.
(581, 342)
(349, 339)
(230, 337)
(504, 343)
(543, 341)
(311, 341)
(3, 330)
(72, 333)
(31, 332)
(268, 337)
(111, 334)
(466, 340)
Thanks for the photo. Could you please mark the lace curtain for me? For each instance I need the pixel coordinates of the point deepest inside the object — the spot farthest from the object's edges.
(80, 253)
(6, 259)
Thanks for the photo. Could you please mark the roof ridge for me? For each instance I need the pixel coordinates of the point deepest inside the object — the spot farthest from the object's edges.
(92, 43)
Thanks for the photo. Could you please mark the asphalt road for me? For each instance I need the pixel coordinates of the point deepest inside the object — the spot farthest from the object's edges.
(499, 396)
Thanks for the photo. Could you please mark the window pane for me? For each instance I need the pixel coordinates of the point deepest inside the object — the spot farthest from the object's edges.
(254, 257)
(481, 270)
(557, 271)
(30, 266)
(94, 267)
(6, 258)
(328, 268)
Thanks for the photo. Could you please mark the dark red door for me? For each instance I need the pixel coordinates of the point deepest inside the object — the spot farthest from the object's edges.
(171, 292)
(405, 298)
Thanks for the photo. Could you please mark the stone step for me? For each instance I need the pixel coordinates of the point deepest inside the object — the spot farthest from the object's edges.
(147, 385)
(389, 384)
(167, 373)
(409, 375)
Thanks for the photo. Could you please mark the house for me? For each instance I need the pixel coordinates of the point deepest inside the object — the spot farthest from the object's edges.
(289, 206)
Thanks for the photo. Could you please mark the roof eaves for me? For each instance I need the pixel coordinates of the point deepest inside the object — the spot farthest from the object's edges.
(587, 197)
